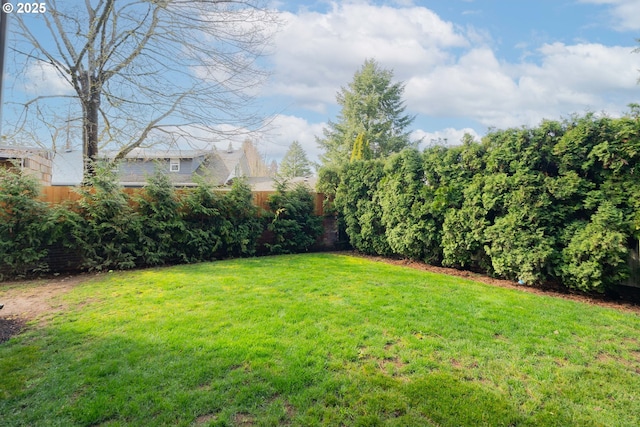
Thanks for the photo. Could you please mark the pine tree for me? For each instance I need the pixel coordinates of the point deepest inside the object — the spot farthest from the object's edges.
(295, 162)
(371, 105)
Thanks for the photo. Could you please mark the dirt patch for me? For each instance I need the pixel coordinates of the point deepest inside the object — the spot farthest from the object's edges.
(25, 301)
(558, 291)
(204, 419)
(10, 326)
(243, 419)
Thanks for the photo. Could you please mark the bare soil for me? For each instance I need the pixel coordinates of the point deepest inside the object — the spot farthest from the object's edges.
(26, 301)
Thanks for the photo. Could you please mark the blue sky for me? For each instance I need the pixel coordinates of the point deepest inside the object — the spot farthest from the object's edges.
(468, 65)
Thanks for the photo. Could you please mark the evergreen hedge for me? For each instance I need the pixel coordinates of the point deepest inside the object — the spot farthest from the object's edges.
(108, 229)
(556, 203)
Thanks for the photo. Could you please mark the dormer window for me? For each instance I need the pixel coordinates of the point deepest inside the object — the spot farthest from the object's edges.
(174, 165)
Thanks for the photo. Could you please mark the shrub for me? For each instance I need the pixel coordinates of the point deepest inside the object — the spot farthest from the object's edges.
(519, 250)
(113, 228)
(293, 223)
(23, 224)
(463, 237)
(202, 213)
(243, 227)
(162, 225)
(410, 216)
(69, 234)
(357, 199)
(596, 257)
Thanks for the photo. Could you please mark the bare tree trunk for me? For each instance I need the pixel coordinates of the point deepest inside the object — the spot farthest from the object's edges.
(90, 137)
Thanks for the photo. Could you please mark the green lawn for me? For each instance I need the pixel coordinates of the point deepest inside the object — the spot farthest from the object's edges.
(319, 339)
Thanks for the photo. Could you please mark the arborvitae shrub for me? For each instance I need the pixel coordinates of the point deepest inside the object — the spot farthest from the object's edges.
(113, 227)
(23, 224)
(596, 257)
(163, 228)
(293, 223)
(202, 212)
(243, 227)
(357, 200)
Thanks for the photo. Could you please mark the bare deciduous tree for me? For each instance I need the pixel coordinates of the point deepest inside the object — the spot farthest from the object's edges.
(142, 70)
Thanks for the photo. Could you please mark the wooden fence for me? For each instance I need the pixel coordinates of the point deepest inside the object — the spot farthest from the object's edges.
(60, 194)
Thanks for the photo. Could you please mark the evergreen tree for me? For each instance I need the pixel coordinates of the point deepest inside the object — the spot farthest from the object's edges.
(372, 106)
(295, 162)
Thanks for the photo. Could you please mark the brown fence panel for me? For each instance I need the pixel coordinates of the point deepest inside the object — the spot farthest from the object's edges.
(60, 194)
(260, 199)
(57, 194)
(319, 202)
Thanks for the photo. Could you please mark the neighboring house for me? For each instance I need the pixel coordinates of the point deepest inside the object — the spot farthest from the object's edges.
(219, 167)
(33, 161)
(215, 166)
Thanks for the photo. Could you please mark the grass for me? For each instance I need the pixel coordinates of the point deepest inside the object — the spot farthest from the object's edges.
(319, 339)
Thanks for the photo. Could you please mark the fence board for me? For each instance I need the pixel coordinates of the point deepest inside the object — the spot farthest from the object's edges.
(60, 194)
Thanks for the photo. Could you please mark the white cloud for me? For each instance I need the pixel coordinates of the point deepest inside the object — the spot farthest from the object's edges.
(44, 79)
(589, 67)
(625, 14)
(477, 86)
(287, 129)
(568, 79)
(318, 53)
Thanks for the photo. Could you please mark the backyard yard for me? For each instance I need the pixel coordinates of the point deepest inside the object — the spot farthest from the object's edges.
(314, 339)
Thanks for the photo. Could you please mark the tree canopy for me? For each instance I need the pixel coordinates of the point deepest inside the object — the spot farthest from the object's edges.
(373, 111)
(555, 203)
(140, 71)
(295, 162)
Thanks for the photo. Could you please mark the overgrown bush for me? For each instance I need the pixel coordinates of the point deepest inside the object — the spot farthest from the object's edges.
(557, 202)
(113, 229)
(596, 257)
(162, 226)
(244, 228)
(411, 219)
(292, 221)
(107, 229)
(202, 213)
(69, 233)
(23, 224)
(358, 201)
(519, 250)
(463, 231)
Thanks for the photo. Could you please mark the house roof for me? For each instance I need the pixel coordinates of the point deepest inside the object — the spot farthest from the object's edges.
(224, 165)
(151, 154)
(269, 184)
(15, 151)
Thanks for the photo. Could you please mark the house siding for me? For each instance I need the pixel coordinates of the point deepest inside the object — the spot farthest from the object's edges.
(35, 162)
(137, 170)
